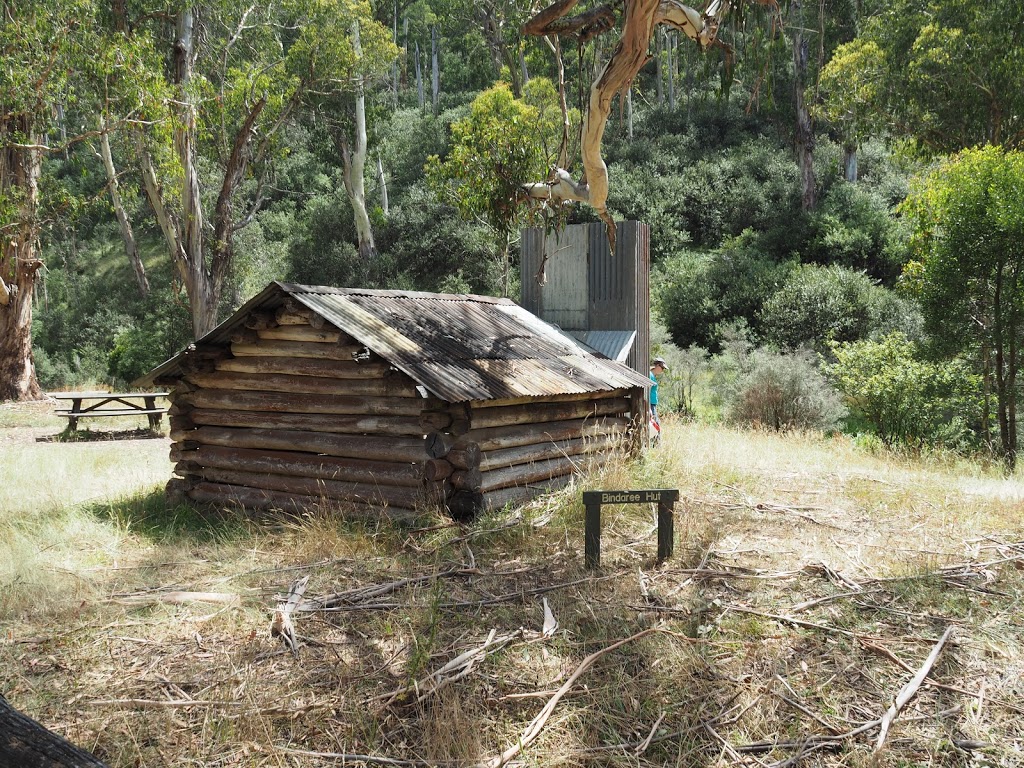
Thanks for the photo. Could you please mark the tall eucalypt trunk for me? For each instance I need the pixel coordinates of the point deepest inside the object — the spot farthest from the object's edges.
(131, 247)
(190, 258)
(20, 165)
(203, 271)
(641, 18)
(804, 129)
(354, 162)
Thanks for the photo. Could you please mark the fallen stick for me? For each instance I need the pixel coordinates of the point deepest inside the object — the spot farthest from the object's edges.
(282, 626)
(180, 597)
(537, 724)
(361, 594)
(908, 690)
(454, 670)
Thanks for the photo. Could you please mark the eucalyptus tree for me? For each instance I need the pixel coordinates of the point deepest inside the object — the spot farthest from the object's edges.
(500, 143)
(637, 25)
(237, 73)
(946, 74)
(50, 53)
(968, 219)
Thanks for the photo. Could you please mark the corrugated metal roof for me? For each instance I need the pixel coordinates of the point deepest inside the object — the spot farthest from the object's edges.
(615, 345)
(458, 347)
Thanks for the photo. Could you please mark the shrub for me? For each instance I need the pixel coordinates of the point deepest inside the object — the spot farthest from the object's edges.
(906, 399)
(783, 391)
(820, 305)
(697, 294)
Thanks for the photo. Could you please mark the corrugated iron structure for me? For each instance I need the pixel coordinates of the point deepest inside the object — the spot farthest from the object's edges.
(600, 298)
(389, 397)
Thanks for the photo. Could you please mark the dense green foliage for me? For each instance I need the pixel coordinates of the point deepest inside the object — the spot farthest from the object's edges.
(904, 398)
(968, 219)
(704, 155)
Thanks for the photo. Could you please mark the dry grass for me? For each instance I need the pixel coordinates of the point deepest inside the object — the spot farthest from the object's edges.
(809, 581)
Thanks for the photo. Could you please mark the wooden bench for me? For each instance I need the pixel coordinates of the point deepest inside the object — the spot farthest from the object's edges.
(93, 404)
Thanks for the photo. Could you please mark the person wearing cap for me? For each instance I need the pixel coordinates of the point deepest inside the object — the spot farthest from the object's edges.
(657, 368)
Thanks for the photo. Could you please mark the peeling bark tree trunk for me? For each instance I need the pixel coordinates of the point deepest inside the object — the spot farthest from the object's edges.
(198, 285)
(131, 248)
(19, 180)
(354, 161)
(203, 271)
(640, 18)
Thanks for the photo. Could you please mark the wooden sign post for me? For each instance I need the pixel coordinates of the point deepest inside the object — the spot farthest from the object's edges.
(592, 500)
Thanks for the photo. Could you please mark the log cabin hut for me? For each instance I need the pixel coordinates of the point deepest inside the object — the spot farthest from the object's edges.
(311, 396)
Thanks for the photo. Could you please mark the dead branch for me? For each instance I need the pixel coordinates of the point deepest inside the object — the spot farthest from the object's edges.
(363, 594)
(537, 724)
(456, 669)
(910, 689)
(282, 625)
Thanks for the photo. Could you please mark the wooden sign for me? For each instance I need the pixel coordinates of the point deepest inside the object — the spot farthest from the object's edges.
(593, 500)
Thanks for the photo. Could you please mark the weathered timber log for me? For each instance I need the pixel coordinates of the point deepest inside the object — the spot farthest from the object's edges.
(515, 435)
(391, 386)
(327, 334)
(540, 471)
(222, 495)
(437, 445)
(534, 413)
(298, 366)
(435, 420)
(509, 457)
(24, 743)
(260, 320)
(396, 449)
(244, 336)
(436, 469)
(294, 313)
(465, 457)
(468, 479)
(465, 504)
(401, 426)
(181, 423)
(564, 398)
(179, 408)
(367, 493)
(272, 348)
(180, 388)
(177, 453)
(176, 490)
(307, 465)
(202, 358)
(452, 422)
(283, 402)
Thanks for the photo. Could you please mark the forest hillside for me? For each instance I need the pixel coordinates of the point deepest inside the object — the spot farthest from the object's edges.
(833, 190)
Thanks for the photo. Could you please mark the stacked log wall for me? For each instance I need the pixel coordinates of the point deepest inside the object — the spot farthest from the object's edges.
(503, 451)
(293, 414)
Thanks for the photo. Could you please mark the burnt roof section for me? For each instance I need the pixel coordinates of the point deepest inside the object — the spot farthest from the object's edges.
(458, 347)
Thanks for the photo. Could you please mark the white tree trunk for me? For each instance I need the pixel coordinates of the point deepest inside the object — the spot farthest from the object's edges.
(382, 183)
(804, 129)
(419, 77)
(354, 160)
(435, 69)
(131, 248)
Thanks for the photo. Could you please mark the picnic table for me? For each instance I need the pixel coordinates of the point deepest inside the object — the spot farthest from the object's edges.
(94, 404)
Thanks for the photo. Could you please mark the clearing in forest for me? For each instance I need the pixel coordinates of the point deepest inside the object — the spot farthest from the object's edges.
(812, 583)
